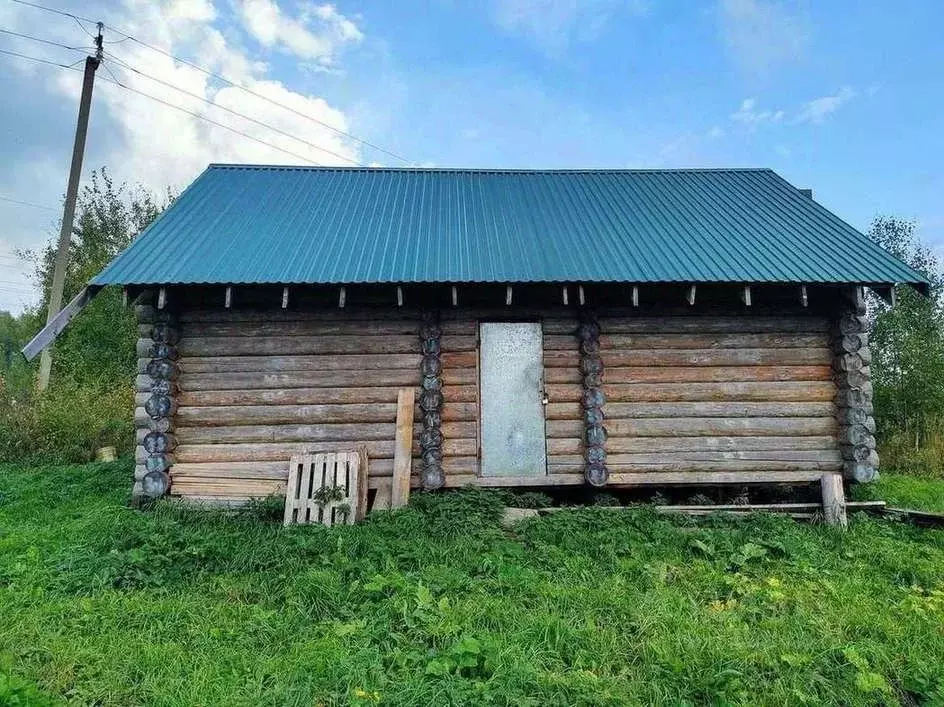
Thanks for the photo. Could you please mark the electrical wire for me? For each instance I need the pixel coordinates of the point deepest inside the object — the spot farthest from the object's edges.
(114, 80)
(41, 61)
(218, 77)
(43, 41)
(129, 67)
(26, 203)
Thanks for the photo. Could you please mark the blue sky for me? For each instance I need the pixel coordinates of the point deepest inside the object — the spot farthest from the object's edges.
(842, 97)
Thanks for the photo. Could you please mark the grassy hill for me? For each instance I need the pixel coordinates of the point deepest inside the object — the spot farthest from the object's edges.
(438, 604)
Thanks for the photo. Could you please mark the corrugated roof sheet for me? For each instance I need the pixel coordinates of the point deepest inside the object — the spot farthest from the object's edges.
(293, 225)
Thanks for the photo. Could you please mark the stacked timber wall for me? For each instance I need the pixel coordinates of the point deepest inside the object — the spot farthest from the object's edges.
(257, 387)
(719, 394)
(725, 395)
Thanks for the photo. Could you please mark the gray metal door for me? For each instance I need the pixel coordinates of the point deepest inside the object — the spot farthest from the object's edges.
(511, 377)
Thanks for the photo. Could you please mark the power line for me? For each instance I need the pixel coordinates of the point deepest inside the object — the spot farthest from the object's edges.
(129, 67)
(116, 82)
(27, 203)
(219, 77)
(58, 12)
(41, 61)
(43, 41)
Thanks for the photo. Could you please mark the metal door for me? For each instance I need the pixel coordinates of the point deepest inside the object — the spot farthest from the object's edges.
(511, 384)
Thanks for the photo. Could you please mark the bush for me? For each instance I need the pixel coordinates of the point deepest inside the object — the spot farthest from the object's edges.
(898, 452)
(68, 422)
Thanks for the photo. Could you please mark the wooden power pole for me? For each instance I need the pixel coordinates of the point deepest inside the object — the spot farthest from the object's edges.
(68, 213)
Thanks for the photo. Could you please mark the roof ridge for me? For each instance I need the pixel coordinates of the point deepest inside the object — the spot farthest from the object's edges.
(483, 170)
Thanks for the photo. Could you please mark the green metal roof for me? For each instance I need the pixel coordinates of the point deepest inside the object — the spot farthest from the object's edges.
(295, 225)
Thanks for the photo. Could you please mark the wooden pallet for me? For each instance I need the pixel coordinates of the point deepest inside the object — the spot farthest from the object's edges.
(305, 502)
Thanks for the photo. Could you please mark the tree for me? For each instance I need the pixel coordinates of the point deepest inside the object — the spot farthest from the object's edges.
(908, 339)
(99, 344)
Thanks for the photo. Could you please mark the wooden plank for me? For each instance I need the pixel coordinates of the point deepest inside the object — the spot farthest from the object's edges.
(718, 409)
(400, 488)
(716, 374)
(774, 391)
(306, 379)
(716, 357)
(770, 340)
(59, 322)
(284, 364)
(361, 315)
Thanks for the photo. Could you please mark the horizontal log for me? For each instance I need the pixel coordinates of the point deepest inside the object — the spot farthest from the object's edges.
(460, 393)
(778, 456)
(275, 451)
(568, 374)
(254, 488)
(307, 379)
(341, 433)
(716, 357)
(279, 414)
(716, 374)
(457, 343)
(777, 391)
(283, 364)
(296, 327)
(631, 479)
(713, 341)
(722, 427)
(717, 409)
(287, 396)
(459, 359)
(563, 411)
(723, 466)
(560, 342)
(274, 314)
(563, 392)
(615, 444)
(296, 345)
(700, 324)
(563, 429)
(459, 376)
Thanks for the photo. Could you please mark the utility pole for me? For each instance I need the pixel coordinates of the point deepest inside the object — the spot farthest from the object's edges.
(68, 214)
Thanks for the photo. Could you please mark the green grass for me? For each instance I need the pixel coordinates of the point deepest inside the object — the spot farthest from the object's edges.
(916, 493)
(437, 604)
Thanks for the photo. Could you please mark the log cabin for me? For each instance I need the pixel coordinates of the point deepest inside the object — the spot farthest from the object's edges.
(559, 327)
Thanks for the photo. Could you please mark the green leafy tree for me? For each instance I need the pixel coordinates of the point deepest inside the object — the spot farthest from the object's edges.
(908, 340)
(90, 399)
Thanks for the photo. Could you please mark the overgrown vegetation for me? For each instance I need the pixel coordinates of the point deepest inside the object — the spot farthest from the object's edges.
(437, 604)
(90, 400)
(908, 358)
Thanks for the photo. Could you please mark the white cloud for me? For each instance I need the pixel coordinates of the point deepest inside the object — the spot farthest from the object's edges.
(748, 115)
(763, 34)
(716, 132)
(316, 34)
(819, 109)
(554, 24)
(142, 141)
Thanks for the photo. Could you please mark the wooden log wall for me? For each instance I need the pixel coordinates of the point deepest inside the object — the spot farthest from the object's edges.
(681, 394)
(256, 387)
(852, 368)
(156, 400)
(708, 393)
